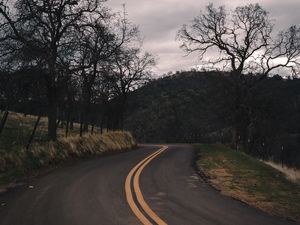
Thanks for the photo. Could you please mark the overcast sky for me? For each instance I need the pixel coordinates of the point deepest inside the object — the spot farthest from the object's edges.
(159, 21)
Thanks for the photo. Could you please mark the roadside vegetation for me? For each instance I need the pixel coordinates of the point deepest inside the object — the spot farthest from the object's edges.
(89, 67)
(17, 162)
(69, 67)
(243, 177)
(18, 128)
(80, 68)
(195, 107)
(79, 63)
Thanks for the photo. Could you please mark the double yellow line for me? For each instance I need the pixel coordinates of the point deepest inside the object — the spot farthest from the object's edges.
(132, 186)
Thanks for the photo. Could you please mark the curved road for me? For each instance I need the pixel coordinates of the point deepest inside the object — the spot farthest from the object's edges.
(93, 192)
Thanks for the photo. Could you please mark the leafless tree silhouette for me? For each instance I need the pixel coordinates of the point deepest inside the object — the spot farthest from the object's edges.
(243, 38)
(46, 29)
(246, 44)
(74, 44)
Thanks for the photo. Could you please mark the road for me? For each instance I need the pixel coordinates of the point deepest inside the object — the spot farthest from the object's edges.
(116, 190)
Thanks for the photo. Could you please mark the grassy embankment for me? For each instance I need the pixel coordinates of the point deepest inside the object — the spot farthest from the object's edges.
(17, 162)
(245, 178)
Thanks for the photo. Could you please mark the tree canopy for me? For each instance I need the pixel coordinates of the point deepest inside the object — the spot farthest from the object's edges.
(244, 38)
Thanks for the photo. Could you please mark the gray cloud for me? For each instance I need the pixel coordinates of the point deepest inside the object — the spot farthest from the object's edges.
(159, 21)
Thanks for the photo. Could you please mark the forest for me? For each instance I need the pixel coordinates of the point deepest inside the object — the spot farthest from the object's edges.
(197, 107)
(81, 62)
(69, 61)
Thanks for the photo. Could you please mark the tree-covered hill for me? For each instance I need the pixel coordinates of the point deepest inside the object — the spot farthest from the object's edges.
(178, 108)
(197, 107)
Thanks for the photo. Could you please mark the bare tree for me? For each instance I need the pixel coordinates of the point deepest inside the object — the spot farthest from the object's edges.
(245, 42)
(46, 30)
(283, 52)
(243, 39)
(99, 41)
(130, 70)
(94, 49)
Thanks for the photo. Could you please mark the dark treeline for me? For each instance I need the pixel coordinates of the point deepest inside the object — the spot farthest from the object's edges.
(248, 48)
(77, 61)
(252, 52)
(198, 106)
(73, 61)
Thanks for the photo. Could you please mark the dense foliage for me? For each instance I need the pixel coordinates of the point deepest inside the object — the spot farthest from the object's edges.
(197, 107)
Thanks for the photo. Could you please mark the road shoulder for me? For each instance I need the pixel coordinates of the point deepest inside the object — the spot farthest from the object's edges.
(246, 179)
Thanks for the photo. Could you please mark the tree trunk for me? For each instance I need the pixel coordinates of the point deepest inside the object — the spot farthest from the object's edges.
(3, 121)
(67, 127)
(85, 127)
(68, 117)
(92, 129)
(52, 97)
(33, 132)
(122, 120)
(57, 123)
(234, 137)
(236, 110)
(81, 129)
(101, 126)
(52, 116)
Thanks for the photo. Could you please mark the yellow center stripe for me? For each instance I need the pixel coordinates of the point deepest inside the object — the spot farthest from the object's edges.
(136, 188)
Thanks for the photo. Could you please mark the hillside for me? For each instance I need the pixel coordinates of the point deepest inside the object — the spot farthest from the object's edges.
(198, 106)
(178, 108)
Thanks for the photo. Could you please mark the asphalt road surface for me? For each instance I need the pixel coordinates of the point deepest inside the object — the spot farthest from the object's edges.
(128, 188)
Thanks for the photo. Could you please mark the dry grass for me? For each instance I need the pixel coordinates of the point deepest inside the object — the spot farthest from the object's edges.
(18, 129)
(40, 155)
(16, 161)
(240, 176)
